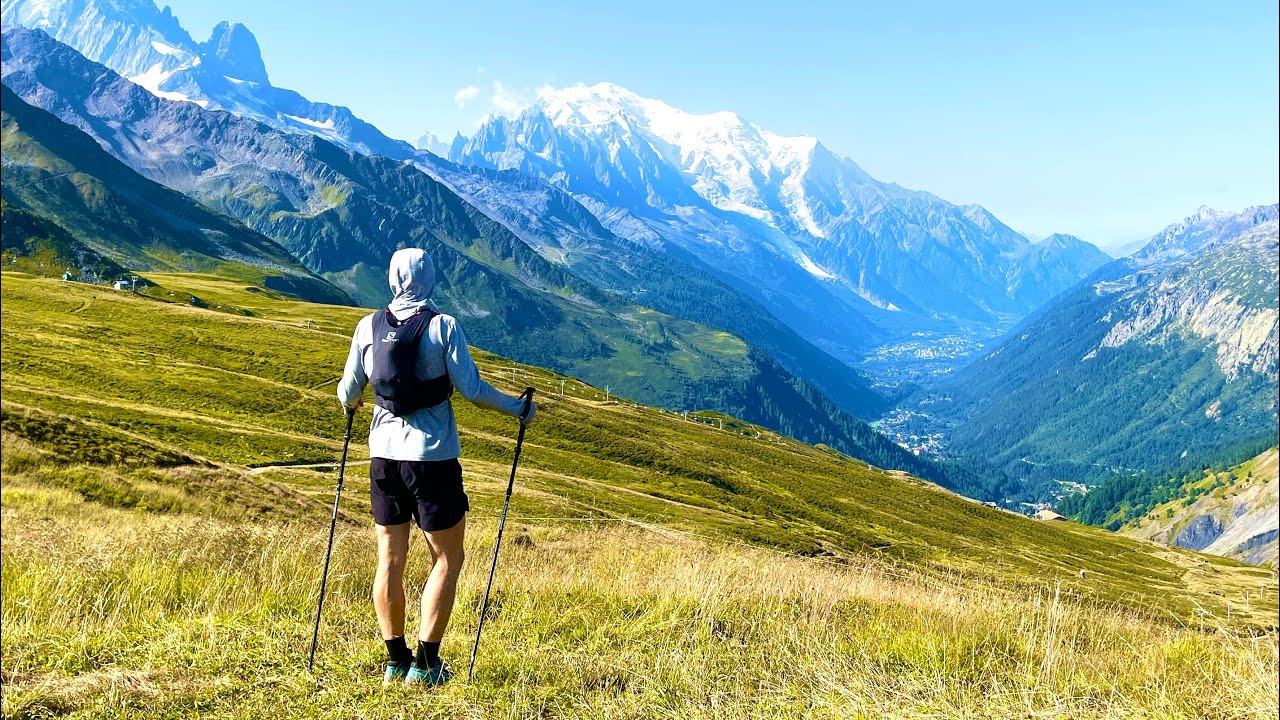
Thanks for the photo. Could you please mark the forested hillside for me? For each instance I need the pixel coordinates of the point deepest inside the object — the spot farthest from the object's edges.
(1162, 363)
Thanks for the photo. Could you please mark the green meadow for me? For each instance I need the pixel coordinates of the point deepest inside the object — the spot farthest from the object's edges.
(169, 461)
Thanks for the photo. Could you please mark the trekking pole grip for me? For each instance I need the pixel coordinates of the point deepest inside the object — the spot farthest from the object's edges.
(527, 396)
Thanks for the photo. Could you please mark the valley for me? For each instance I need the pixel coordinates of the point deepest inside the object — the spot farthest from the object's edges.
(924, 359)
(1162, 362)
(514, 301)
(627, 289)
(629, 300)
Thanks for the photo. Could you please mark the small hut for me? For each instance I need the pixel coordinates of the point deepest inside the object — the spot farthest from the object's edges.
(1048, 514)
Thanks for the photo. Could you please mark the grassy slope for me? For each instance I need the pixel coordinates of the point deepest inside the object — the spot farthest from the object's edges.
(118, 613)
(155, 412)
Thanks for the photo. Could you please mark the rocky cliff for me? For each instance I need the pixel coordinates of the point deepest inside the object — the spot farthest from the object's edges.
(1231, 513)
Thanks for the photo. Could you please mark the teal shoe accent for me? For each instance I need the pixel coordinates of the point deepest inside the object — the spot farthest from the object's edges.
(396, 672)
(438, 674)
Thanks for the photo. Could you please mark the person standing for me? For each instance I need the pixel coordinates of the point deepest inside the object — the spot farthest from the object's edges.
(414, 357)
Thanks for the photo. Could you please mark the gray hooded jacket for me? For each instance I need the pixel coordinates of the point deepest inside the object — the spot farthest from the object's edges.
(430, 433)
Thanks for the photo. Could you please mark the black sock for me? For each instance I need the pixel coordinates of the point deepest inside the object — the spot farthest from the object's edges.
(398, 651)
(428, 654)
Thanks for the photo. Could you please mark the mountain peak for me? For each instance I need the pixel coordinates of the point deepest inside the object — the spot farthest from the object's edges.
(601, 89)
(1204, 212)
(605, 103)
(236, 51)
(433, 143)
(599, 93)
(150, 48)
(1061, 240)
(130, 25)
(734, 164)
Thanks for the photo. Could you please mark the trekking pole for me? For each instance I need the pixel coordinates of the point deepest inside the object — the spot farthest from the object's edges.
(333, 525)
(484, 605)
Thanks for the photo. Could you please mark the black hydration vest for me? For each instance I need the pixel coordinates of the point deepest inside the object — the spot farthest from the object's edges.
(395, 381)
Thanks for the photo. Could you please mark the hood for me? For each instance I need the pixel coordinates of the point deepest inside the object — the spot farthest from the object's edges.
(411, 276)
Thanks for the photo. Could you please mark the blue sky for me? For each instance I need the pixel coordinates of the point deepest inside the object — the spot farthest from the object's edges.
(1107, 120)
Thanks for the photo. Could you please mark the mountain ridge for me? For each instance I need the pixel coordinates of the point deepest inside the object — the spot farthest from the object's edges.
(150, 47)
(798, 202)
(62, 176)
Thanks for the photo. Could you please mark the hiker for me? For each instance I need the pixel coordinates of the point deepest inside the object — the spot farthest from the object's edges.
(414, 356)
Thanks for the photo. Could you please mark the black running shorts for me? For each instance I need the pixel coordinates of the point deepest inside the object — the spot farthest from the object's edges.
(426, 491)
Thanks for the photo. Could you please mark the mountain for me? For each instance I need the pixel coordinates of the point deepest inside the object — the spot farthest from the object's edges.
(65, 196)
(434, 144)
(226, 72)
(1230, 512)
(809, 234)
(564, 232)
(680, 286)
(1163, 361)
(29, 243)
(1127, 249)
(1200, 233)
(1054, 261)
(586, 457)
(853, 265)
(343, 214)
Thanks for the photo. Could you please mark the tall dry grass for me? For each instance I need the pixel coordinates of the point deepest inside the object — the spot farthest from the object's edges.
(115, 613)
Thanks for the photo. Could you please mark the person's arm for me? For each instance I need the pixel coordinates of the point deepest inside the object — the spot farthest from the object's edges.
(354, 375)
(466, 377)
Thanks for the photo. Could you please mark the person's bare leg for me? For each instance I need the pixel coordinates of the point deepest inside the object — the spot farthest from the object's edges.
(388, 579)
(442, 584)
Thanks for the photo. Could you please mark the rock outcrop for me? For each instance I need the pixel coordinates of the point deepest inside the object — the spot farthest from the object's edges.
(1236, 519)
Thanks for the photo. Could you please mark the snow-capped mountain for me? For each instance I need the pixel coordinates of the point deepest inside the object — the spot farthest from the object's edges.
(150, 47)
(343, 214)
(734, 165)
(431, 143)
(844, 260)
(750, 201)
(543, 216)
(142, 43)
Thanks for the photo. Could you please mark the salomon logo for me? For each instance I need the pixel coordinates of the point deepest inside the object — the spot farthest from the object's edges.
(391, 336)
